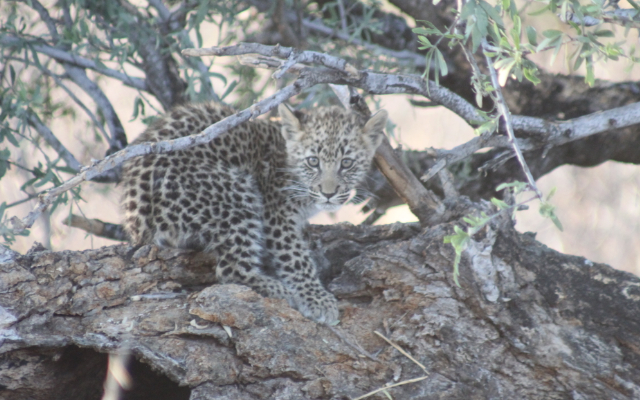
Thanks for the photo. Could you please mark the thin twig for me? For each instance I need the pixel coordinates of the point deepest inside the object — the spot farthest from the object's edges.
(354, 346)
(401, 350)
(277, 51)
(399, 383)
(118, 138)
(506, 115)
(343, 17)
(364, 396)
(417, 60)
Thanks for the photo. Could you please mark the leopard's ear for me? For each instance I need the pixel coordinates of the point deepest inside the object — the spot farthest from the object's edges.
(291, 128)
(374, 129)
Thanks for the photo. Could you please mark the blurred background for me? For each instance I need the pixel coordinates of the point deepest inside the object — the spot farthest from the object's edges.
(599, 207)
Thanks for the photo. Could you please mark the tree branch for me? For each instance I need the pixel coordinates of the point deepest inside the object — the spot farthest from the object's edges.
(53, 141)
(307, 79)
(506, 115)
(279, 52)
(343, 73)
(174, 25)
(118, 139)
(627, 17)
(73, 59)
(161, 70)
(417, 60)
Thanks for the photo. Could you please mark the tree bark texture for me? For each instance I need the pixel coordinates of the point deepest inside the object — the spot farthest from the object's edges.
(527, 322)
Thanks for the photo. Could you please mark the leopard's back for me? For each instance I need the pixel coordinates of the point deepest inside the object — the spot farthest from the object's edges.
(166, 196)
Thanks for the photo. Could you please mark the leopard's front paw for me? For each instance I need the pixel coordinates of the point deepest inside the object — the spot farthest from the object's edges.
(318, 305)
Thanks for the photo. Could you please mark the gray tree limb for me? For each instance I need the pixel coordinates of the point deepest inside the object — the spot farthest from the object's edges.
(528, 322)
(73, 59)
(118, 137)
(53, 141)
(174, 25)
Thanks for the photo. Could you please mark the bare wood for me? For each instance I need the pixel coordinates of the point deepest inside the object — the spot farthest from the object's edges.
(421, 201)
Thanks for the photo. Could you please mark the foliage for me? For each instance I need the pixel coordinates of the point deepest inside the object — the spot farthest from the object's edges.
(480, 25)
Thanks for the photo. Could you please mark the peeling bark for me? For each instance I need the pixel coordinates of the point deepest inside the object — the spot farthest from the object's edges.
(528, 322)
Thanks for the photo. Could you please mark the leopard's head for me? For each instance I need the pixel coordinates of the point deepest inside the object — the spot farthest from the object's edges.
(329, 151)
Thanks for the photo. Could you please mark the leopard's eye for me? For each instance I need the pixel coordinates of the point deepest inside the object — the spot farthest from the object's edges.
(313, 161)
(346, 163)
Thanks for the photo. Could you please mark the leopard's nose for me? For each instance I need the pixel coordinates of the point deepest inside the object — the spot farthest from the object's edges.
(328, 196)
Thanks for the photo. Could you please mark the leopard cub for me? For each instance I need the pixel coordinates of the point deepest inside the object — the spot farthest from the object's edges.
(245, 197)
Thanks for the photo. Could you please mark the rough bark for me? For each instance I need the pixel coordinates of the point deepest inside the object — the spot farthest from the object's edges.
(528, 322)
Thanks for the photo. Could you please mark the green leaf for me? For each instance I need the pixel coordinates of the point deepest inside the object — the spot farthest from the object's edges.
(492, 12)
(590, 78)
(468, 10)
(459, 241)
(426, 31)
(501, 205)
(516, 31)
(538, 12)
(13, 75)
(45, 179)
(424, 41)
(138, 108)
(12, 139)
(603, 33)
(442, 64)
(516, 185)
(549, 211)
(556, 221)
(532, 35)
(530, 74)
(229, 89)
(487, 127)
(4, 161)
(578, 63)
(68, 170)
(551, 193)
(551, 33)
(219, 76)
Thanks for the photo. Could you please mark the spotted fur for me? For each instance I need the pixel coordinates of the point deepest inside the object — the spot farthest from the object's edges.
(245, 197)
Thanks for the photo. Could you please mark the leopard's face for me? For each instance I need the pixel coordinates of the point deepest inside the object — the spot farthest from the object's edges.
(329, 152)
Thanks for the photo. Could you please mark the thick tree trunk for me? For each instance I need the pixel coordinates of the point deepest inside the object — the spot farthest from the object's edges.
(528, 322)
